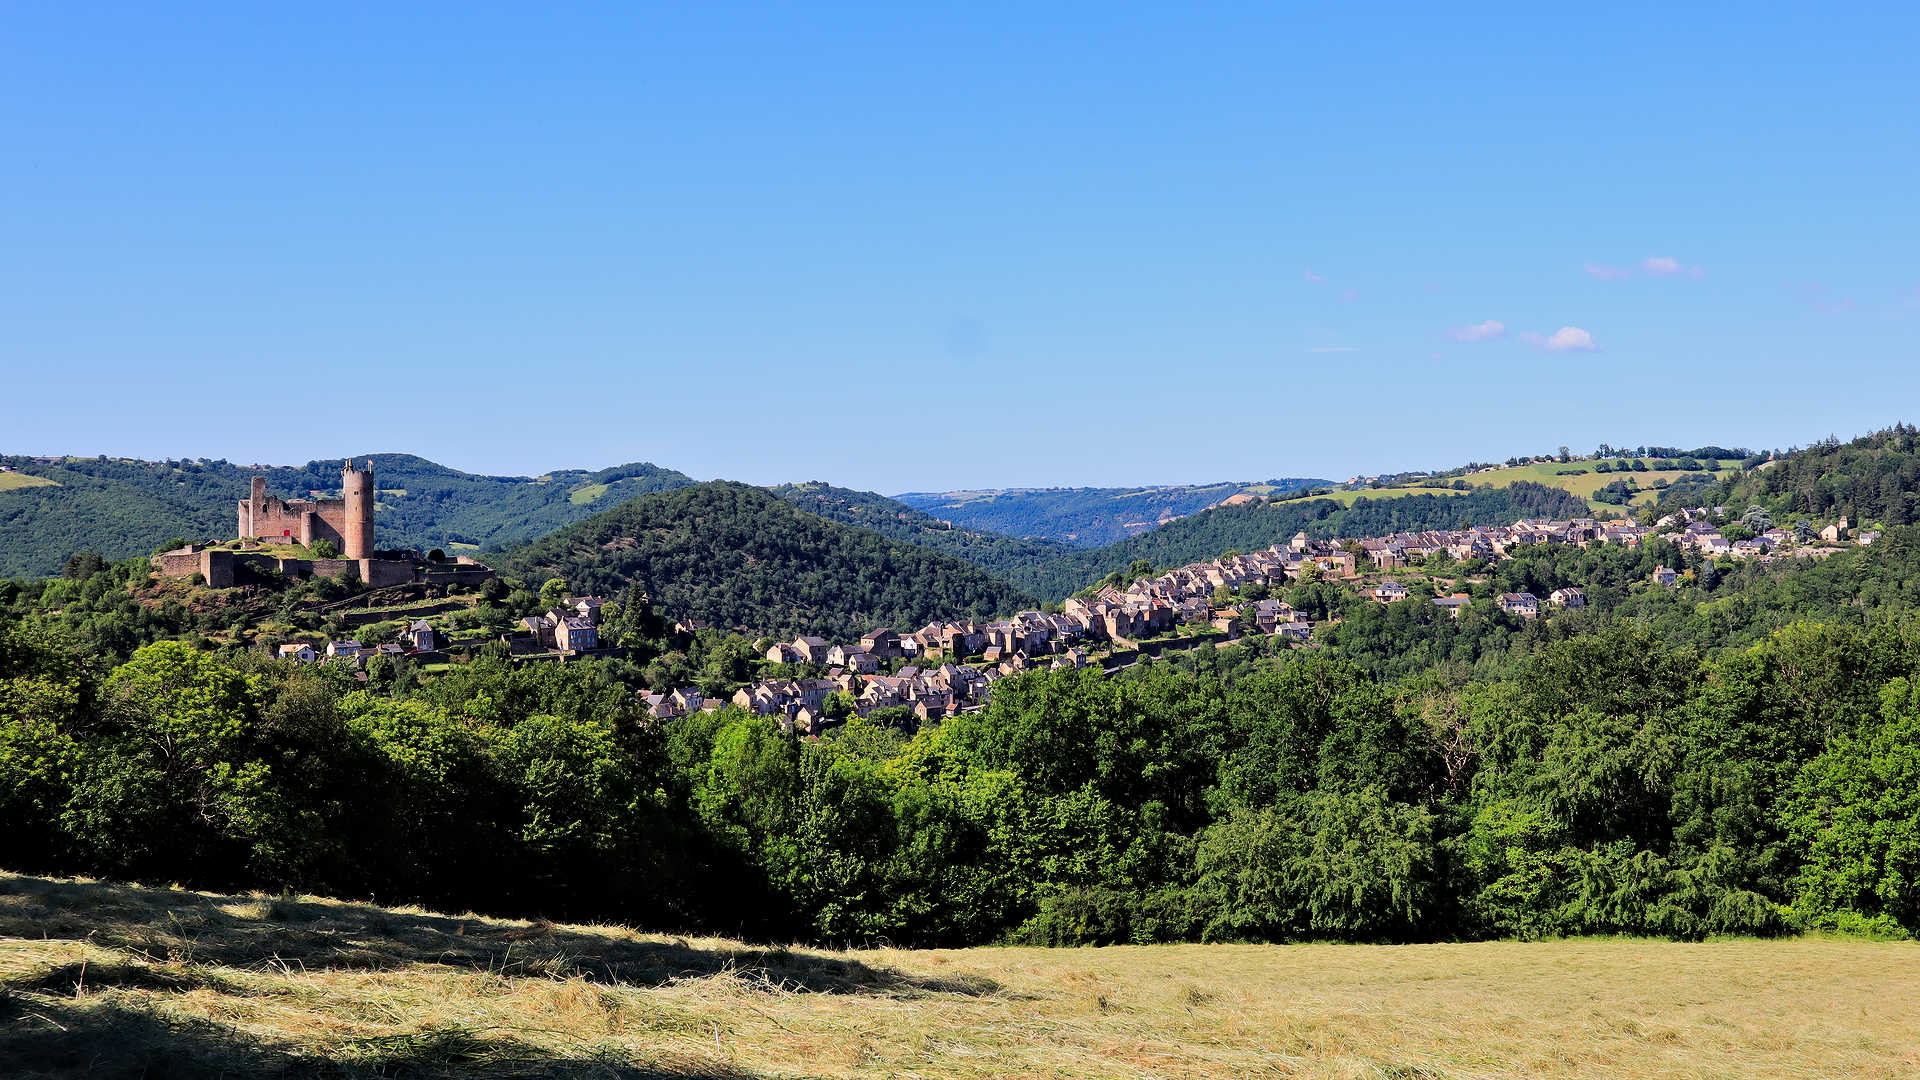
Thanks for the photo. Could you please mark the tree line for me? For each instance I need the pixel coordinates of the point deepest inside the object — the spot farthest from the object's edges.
(1872, 478)
(1607, 783)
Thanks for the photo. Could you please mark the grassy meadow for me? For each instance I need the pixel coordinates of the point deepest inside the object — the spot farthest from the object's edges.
(1547, 473)
(103, 980)
(1346, 498)
(13, 481)
(1589, 482)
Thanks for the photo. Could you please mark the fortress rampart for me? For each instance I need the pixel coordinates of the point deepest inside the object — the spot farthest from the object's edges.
(222, 567)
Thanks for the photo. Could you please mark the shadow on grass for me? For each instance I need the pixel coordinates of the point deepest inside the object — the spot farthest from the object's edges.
(78, 977)
(45, 1038)
(183, 928)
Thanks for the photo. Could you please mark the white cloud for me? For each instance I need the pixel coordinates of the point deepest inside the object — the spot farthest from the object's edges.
(1313, 277)
(1565, 339)
(1490, 330)
(1652, 266)
(1664, 266)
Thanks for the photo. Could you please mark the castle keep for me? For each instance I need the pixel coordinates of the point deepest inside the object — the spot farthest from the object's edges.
(346, 521)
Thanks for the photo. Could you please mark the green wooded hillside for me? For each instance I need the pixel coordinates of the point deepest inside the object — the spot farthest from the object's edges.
(895, 520)
(113, 507)
(731, 554)
(1874, 478)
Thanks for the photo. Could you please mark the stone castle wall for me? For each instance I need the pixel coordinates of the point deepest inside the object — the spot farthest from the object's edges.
(178, 564)
(346, 521)
(302, 521)
(221, 568)
(456, 574)
(379, 573)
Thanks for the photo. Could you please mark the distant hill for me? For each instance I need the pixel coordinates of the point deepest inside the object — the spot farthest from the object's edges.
(122, 507)
(1263, 522)
(1085, 517)
(897, 521)
(116, 508)
(735, 555)
(424, 504)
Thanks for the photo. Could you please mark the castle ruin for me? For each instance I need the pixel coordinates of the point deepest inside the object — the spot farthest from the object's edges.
(346, 521)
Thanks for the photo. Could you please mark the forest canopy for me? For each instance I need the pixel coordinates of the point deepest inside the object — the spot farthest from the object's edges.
(1607, 784)
(733, 555)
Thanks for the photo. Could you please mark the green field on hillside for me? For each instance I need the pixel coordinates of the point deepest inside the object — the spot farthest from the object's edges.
(102, 980)
(14, 481)
(1582, 486)
(1346, 498)
(1588, 482)
(583, 495)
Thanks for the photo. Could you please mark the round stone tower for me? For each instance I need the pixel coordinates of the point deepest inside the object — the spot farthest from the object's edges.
(356, 487)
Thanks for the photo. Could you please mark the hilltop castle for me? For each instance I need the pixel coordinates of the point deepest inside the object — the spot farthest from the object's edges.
(346, 521)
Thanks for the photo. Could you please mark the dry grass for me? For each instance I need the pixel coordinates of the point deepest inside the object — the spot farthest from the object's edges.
(107, 981)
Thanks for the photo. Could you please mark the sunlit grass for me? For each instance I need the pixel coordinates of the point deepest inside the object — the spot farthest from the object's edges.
(1590, 481)
(13, 481)
(109, 980)
(1347, 498)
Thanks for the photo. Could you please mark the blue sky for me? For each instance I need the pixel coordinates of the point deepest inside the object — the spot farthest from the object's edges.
(900, 249)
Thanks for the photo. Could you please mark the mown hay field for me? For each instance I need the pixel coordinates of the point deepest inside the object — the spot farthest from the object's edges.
(106, 980)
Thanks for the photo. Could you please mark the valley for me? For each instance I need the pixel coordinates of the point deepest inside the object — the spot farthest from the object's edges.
(1300, 542)
(1266, 743)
